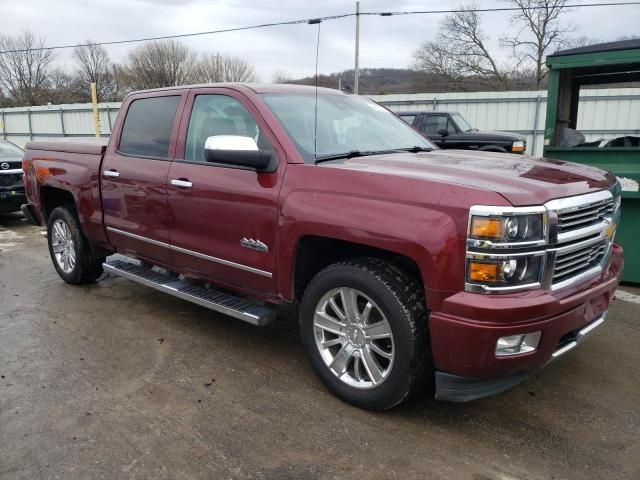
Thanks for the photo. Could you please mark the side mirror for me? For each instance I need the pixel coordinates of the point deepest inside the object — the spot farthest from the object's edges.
(444, 132)
(237, 150)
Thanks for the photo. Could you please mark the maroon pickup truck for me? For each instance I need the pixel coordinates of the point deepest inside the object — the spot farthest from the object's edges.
(406, 265)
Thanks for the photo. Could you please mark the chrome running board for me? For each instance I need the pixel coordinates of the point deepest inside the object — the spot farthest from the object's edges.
(210, 298)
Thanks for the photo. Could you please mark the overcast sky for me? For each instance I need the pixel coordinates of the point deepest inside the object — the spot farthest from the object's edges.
(385, 41)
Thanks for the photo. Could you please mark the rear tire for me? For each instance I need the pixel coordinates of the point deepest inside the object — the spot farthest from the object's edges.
(71, 252)
(374, 354)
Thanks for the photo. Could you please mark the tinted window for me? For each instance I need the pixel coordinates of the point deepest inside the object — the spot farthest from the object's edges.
(219, 115)
(408, 118)
(147, 128)
(434, 123)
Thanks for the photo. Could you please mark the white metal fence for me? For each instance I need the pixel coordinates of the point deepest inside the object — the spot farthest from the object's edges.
(603, 113)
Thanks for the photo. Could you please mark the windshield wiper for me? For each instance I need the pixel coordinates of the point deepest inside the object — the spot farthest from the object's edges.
(349, 154)
(414, 149)
(366, 153)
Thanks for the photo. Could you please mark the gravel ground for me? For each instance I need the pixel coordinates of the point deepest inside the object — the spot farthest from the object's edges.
(115, 380)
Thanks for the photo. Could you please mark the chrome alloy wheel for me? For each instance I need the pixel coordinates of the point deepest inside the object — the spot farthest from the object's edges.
(353, 337)
(64, 248)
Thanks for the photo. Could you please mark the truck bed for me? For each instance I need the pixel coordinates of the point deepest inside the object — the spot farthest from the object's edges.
(71, 166)
(90, 146)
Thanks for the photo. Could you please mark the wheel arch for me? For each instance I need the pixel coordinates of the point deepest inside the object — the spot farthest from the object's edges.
(493, 148)
(313, 253)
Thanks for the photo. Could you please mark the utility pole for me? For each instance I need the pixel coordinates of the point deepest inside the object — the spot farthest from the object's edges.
(96, 112)
(356, 71)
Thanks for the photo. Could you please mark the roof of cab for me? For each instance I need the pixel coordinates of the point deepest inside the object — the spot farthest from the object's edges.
(255, 87)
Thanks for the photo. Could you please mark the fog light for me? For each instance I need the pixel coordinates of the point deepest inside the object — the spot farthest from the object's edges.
(517, 344)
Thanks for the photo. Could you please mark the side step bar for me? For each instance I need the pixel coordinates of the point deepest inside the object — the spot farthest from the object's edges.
(209, 298)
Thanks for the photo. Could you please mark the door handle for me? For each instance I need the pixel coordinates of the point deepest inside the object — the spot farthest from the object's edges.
(111, 173)
(181, 182)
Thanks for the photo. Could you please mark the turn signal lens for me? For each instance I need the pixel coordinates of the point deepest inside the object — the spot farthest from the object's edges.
(483, 272)
(486, 227)
(517, 147)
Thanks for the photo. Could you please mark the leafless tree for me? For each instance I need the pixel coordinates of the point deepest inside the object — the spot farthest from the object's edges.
(94, 66)
(160, 64)
(62, 87)
(23, 67)
(216, 67)
(281, 76)
(541, 31)
(460, 50)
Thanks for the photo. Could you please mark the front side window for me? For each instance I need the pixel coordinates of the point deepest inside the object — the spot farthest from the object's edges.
(433, 124)
(219, 115)
(345, 123)
(147, 128)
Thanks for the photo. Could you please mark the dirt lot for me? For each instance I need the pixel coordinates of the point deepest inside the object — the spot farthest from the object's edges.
(115, 380)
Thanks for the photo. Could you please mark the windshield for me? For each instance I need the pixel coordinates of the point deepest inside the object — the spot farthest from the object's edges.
(461, 122)
(9, 150)
(345, 124)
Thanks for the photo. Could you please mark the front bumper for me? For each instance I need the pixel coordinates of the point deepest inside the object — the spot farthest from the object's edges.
(465, 331)
(454, 388)
(11, 199)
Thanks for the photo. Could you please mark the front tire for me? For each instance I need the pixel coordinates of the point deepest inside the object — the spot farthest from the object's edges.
(73, 256)
(363, 326)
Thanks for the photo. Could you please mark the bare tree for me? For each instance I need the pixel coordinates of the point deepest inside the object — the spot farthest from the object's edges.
(215, 67)
(62, 87)
(23, 67)
(434, 58)
(541, 31)
(281, 76)
(460, 50)
(160, 64)
(94, 66)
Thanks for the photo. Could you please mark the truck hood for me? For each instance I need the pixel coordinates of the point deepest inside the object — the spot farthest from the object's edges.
(491, 135)
(522, 180)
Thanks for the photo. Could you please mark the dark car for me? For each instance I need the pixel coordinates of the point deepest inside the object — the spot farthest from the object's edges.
(451, 130)
(11, 186)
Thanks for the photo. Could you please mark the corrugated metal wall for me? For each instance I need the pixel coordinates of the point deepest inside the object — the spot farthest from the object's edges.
(603, 113)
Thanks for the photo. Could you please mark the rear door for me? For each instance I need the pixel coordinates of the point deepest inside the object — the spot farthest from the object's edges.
(225, 217)
(134, 176)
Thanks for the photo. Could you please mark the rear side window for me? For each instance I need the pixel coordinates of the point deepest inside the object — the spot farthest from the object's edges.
(147, 127)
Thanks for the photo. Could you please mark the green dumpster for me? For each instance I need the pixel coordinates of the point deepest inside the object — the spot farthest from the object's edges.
(603, 64)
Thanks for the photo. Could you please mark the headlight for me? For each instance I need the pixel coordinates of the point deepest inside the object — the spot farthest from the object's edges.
(504, 272)
(501, 248)
(518, 147)
(508, 227)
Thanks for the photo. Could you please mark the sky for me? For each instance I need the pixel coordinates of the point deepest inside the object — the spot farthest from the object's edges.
(384, 41)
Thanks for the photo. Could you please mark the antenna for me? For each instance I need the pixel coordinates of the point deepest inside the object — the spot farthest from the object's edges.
(315, 113)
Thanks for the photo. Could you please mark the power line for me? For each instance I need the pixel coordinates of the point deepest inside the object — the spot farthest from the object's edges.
(494, 9)
(312, 21)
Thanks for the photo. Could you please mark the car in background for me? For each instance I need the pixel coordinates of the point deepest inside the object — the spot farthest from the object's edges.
(451, 130)
(11, 186)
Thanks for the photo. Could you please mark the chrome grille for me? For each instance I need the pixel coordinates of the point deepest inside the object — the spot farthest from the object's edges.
(572, 263)
(11, 180)
(584, 215)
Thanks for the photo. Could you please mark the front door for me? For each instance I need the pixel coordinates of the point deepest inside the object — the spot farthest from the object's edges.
(134, 178)
(225, 218)
(441, 130)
